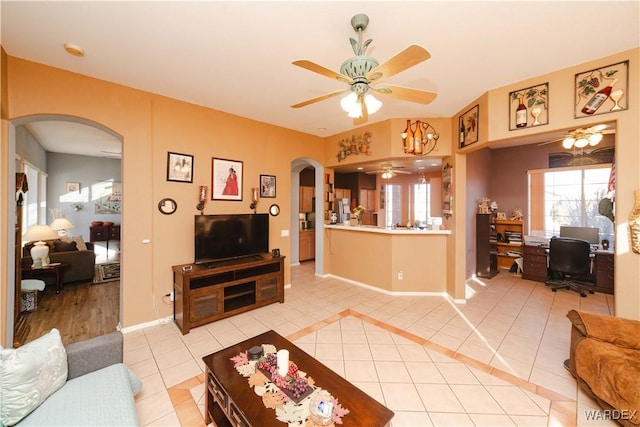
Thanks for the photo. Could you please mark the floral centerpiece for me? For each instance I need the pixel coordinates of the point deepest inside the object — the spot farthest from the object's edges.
(297, 401)
(292, 384)
(358, 211)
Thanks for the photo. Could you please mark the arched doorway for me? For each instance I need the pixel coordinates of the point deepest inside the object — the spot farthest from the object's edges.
(297, 166)
(63, 153)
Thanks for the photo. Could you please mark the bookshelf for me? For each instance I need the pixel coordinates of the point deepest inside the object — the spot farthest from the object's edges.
(508, 241)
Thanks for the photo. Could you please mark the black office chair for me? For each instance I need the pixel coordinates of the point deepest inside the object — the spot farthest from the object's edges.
(570, 265)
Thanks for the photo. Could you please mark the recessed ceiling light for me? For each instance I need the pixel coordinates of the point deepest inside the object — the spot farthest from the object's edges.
(360, 168)
(322, 129)
(73, 49)
(419, 161)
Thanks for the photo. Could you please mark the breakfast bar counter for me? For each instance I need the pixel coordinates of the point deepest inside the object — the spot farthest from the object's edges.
(393, 260)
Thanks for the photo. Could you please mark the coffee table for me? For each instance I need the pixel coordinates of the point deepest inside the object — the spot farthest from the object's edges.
(57, 269)
(230, 401)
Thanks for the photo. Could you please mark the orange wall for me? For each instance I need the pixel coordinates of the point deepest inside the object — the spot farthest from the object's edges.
(150, 126)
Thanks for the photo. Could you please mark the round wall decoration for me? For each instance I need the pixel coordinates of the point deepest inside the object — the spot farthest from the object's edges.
(274, 210)
(167, 206)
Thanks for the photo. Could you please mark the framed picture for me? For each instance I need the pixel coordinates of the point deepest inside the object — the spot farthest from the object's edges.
(468, 125)
(179, 167)
(529, 107)
(226, 179)
(267, 186)
(602, 90)
(73, 187)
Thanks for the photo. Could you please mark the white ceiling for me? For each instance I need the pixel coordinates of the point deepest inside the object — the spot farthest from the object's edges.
(236, 56)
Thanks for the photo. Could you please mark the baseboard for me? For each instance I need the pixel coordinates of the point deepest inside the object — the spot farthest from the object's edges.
(162, 321)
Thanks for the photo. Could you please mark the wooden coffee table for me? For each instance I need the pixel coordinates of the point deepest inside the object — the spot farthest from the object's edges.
(56, 269)
(230, 401)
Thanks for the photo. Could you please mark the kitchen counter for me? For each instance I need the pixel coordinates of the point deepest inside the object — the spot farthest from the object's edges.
(393, 260)
(384, 230)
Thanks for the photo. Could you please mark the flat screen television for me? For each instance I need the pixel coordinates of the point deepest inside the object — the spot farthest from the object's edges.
(230, 236)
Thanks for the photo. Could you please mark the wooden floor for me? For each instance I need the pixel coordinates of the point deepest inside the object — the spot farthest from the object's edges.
(80, 311)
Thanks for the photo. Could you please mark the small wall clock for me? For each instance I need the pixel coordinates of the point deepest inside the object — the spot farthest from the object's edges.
(167, 206)
(274, 210)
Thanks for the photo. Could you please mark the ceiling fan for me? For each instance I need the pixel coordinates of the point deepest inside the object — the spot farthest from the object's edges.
(360, 71)
(388, 171)
(582, 137)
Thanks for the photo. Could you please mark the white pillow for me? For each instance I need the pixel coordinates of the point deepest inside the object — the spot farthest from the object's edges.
(30, 374)
(78, 239)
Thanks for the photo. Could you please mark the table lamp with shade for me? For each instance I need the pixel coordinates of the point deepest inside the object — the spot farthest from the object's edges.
(40, 250)
(61, 225)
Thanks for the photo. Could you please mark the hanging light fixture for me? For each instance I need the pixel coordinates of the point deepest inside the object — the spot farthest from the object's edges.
(352, 102)
(422, 179)
(387, 174)
(582, 137)
(419, 138)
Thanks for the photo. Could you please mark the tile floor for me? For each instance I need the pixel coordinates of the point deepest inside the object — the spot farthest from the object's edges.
(494, 361)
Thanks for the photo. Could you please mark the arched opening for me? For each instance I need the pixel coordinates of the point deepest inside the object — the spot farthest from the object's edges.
(297, 166)
(73, 167)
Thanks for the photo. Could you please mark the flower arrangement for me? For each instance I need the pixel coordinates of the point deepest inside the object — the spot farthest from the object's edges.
(292, 382)
(358, 210)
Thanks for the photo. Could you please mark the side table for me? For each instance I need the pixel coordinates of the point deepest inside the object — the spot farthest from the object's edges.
(56, 269)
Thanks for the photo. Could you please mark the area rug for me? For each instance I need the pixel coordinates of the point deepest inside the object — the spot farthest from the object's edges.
(107, 272)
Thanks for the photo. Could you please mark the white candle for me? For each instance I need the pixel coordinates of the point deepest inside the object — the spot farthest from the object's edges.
(282, 362)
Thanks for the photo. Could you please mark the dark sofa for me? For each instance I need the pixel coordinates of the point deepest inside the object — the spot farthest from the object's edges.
(81, 263)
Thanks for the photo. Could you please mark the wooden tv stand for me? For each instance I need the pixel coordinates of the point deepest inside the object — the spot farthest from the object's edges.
(210, 292)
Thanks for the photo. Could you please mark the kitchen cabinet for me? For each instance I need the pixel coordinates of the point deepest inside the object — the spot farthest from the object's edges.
(307, 245)
(343, 193)
(306, 198)
(368, 199)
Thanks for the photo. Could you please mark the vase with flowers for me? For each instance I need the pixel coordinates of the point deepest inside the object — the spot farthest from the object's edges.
(358, 211)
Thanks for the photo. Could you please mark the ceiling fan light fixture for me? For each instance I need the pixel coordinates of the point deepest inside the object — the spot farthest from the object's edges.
(387, 174)
(594, 139)
(373, 105)
(356, 111)
(581, 142)
(348, 102)
(568, 142)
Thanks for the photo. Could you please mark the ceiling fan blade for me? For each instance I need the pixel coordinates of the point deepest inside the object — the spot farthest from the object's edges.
(319, 98)
(312, 66)
(407, 94)
(409, 57)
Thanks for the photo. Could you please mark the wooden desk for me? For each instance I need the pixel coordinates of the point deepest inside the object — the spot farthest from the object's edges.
(535, 267)
(534, 260)
(603, 272)
(56, 269)
(230, 401)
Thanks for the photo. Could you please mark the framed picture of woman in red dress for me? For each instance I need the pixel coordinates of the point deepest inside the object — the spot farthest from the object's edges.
(226, 179)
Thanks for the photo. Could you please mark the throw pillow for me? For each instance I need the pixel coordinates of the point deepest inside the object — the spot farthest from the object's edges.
(61, 246)
(78, 239)
(30, 374)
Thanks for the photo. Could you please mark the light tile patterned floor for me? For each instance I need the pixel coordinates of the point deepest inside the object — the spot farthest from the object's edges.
(494, 361)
